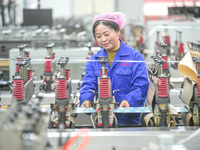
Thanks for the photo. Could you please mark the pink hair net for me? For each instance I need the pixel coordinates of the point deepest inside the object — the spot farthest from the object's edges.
(116, 17)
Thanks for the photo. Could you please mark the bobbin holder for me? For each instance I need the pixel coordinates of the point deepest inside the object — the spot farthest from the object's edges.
(105, 97)
(162, 88)
(63, 102)
(162, 97)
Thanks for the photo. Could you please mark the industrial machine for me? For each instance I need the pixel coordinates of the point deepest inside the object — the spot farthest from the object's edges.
(48, 75)
(103, 116)
(158, 97)
(33, 121)
(191, 86)
(64, 99)
(23, 87)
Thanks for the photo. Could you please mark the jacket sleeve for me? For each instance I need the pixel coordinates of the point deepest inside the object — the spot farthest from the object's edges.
(89, 85)
(140, 84)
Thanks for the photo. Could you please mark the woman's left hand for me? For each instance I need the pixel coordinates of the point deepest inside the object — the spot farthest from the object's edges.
(124, 103)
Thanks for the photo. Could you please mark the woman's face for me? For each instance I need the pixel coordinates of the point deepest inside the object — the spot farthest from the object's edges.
(107, 37)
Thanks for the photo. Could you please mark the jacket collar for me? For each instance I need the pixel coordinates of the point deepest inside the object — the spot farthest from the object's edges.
(121, 52)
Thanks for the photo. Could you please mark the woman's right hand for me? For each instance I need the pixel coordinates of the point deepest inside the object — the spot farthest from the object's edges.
(86, 103)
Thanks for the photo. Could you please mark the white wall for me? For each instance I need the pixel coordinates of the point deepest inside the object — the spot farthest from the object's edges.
(132, 8)
(91, 7)
(65, 8)
(61, 8)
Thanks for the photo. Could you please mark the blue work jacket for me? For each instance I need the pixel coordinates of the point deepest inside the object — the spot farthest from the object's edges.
(129, 77)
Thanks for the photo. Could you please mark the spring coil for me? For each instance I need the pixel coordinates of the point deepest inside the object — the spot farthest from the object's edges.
(29, 74)
(18, 89)
(67, 74)
(101, 73)
(162, 87)
(61, 90)
(104, 88)
(47, 64)
(198, 86)
(181, 48)
(165, 65)
(167, 40)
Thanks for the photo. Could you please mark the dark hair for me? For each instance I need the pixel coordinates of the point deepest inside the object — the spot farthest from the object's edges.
(110, 24)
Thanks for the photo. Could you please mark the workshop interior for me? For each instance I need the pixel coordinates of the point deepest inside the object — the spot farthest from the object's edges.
(44, 48)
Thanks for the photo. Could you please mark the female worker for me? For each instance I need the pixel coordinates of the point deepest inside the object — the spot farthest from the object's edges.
(129, 77)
